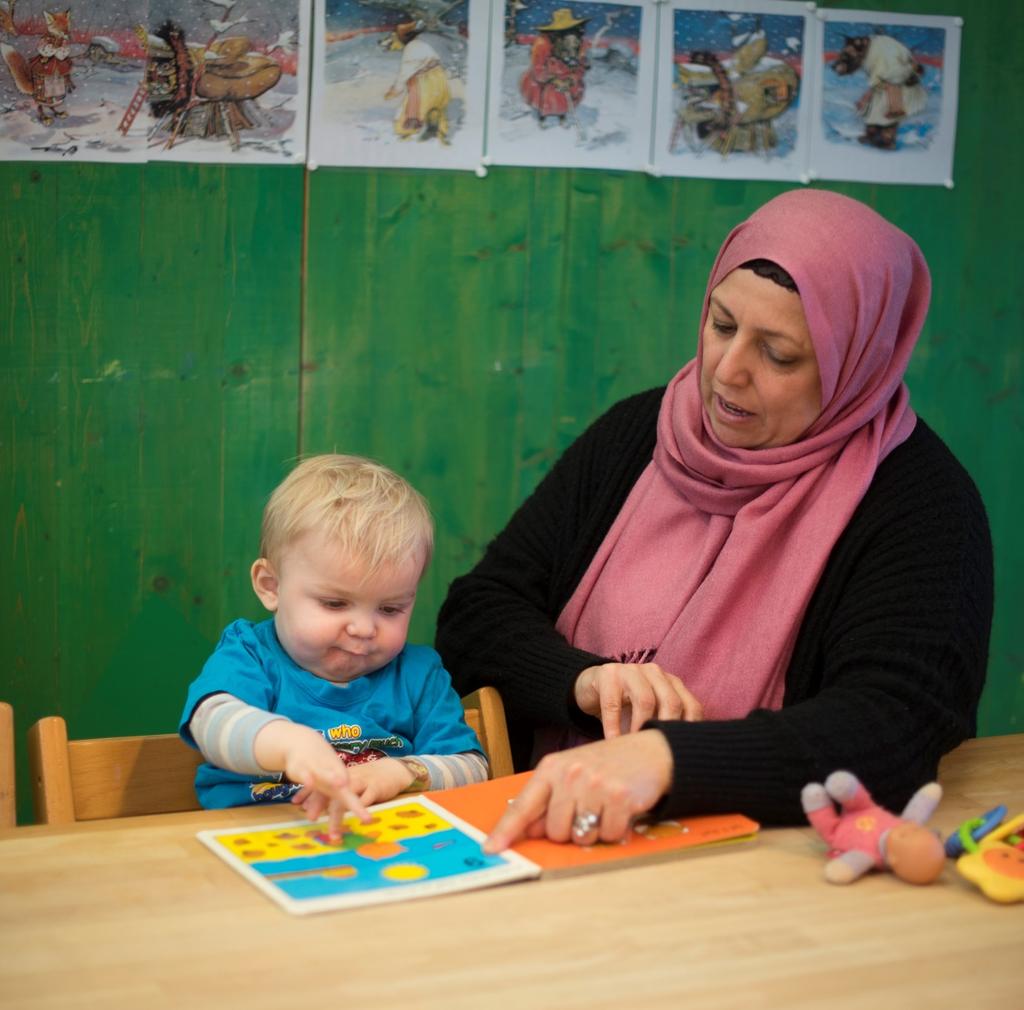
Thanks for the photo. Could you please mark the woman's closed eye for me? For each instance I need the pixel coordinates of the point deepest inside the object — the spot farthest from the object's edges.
(776, 358)
(726, 329)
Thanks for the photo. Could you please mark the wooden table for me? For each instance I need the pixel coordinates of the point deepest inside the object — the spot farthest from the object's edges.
(137, 914)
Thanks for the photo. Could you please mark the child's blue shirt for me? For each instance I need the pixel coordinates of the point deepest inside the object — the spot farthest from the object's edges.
(405, 708)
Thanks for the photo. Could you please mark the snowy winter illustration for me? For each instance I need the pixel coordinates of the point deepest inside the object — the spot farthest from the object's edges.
(224, 80)
(882, 84)
(198, 80)
(572, 84)
(732, 92)
(399, 82)
(887, 98)
(67, 77)
(763, 89)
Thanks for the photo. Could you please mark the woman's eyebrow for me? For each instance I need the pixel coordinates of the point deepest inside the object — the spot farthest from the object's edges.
(781, 335)
(713, 300)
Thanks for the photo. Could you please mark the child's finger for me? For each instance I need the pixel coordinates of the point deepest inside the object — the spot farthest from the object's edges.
(302, 795)
(338, 786)
(315, 805)
(335, 814)
(355, 805)
(345, 802)
(369, 794)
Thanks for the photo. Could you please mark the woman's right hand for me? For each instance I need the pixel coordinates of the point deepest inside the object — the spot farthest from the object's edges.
(625, 695)
(608, 782)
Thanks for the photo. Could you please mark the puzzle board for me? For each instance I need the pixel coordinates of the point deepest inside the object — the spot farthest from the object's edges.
(412, 848)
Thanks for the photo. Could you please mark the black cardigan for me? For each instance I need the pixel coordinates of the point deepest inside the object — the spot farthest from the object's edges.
(886, 671)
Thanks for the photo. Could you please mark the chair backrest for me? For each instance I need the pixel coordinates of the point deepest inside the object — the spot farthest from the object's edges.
(126, 776)
(485, 715)
(8, 815)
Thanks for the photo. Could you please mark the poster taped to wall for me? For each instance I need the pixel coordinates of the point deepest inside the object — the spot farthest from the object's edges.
(399, 83)
(137, 80)
(67, 75)
(572, 84)
(734, 90)
(226, 80)
(887, 106)
(763, 89)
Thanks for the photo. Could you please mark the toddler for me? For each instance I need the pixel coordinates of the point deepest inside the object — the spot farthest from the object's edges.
(324, 703)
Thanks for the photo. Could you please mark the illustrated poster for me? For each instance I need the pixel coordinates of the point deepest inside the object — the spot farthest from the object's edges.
(572, 84)
(399, 83)
(734, 90)
(136, 80)
(226, 80)
(412, 848)
(67, 77)
(886, 110)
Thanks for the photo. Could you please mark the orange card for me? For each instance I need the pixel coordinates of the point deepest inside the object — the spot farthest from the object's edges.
(483, 803)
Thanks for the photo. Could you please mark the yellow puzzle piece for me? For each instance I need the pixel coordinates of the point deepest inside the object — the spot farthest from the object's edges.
(996, 866)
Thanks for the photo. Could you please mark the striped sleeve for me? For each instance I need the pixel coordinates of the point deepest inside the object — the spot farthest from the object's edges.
(224, 729)
(450, 770)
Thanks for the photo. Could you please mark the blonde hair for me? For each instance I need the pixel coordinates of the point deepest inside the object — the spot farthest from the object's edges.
(356, 503)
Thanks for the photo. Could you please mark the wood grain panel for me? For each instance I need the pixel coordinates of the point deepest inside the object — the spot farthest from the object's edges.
(164, 360)
(152, 406)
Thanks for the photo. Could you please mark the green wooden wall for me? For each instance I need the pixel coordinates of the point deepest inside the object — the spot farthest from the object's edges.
(174, 335)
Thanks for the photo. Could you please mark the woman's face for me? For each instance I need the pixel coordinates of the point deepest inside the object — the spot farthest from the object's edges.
(759, 376)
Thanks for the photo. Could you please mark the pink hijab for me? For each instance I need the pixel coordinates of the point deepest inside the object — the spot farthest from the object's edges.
(710, 565)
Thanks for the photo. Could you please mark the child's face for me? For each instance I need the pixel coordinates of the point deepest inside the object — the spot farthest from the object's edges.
(330, 618)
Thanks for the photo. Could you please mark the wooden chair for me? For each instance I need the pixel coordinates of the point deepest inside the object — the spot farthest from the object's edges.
(127, 776)
(8, 814)
(485, 715)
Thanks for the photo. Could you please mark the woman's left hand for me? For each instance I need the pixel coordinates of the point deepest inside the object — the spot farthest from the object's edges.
(625, 695)
(601, 787)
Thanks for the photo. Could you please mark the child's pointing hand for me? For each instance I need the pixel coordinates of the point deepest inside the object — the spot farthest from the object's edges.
(305, 757)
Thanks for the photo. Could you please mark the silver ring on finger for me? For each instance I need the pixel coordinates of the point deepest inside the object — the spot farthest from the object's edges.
(583, 824)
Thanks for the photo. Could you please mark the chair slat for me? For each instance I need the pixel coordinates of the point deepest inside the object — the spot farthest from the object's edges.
(485, 715)
(84, 780)
(8, 809)
(130, 776)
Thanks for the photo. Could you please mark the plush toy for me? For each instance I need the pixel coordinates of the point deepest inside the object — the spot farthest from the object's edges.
(865, 836)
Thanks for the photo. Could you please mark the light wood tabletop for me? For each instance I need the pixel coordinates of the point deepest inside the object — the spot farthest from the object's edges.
(138, 914)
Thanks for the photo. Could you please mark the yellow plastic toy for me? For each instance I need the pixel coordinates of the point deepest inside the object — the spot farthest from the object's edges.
(995, 864)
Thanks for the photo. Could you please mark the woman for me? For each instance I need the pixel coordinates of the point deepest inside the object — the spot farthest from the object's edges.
(773, 557)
